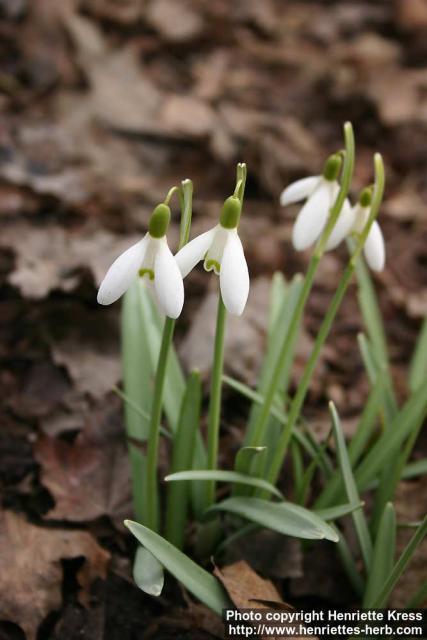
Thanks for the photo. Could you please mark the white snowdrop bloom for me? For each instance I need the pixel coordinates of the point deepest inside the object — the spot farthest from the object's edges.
(149, 258)
(222, 252)
(320, 193)
(374, 247)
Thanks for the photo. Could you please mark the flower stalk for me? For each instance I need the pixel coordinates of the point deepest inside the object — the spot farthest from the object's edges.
(298, 400)
(152, 494)
(261, 424)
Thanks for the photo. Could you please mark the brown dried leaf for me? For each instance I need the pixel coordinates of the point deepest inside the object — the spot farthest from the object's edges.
(30, 568)
(245, 587)
(89, 477)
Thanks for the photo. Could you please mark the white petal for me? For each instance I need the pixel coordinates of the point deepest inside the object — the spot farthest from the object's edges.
(342, 227)
(299, 190)
(122, 272)
(312, 217)
(168, 283)
(234, 276)
(374, 248)
(194, 251)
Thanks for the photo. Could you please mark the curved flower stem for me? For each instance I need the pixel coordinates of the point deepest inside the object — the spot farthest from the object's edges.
(215, 398)
(262, 422)
(298, 400)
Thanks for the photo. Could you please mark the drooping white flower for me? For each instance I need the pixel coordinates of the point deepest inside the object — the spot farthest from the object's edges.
(149, 258)
(374, 247)
(320, 193)
(353, 222)
(222, 252)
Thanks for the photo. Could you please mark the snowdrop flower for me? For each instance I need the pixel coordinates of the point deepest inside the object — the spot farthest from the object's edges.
(152, 259)
(320, 193)
(374, 247)
(222, 252)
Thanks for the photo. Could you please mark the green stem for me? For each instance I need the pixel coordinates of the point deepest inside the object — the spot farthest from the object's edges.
(298, 400)
(215, 397)
(299, 397)
(262, 421)
(152, 511)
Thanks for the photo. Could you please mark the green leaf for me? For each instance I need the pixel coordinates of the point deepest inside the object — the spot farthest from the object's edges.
(351, 489)
(383, 557)
(333, 513)
(199, 582)
(278, 293)
(389, 443)
(284, 517)
(401, 565)
(174, 382)
(334, 491)
(137, 369)
(148, 572)
(223, 476)
(304, 439)
(182, 454)
(418, 366)
(246, 458)
(372, 316)
(283, 301)
(415, 469)
(140, 411)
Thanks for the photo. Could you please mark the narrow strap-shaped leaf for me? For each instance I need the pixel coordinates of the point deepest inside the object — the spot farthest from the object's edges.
(309, 445)
(340, 510)
(217, 475)
(383, 558)
(137, 369)
(182, 453)
(372, 317)
(418, 366)
(334, 490)
(401, 565)
(284, 517)
(351, 489)
(406, 420)
(245, 458)
(199, 582)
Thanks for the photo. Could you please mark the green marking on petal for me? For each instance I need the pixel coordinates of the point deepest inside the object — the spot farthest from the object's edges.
(146, 272)
(212, 265)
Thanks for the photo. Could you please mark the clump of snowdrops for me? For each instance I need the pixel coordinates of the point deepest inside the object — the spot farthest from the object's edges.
(161, 402)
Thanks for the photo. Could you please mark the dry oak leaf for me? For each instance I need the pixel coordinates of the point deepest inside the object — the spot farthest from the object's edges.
(30, 568)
